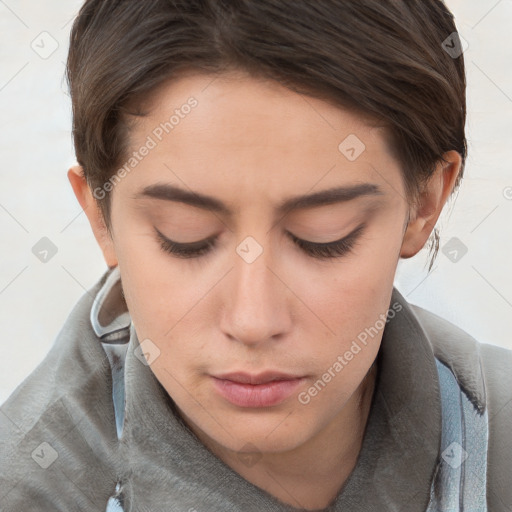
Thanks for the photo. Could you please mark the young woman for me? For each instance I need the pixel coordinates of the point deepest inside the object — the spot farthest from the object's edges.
(253, 171)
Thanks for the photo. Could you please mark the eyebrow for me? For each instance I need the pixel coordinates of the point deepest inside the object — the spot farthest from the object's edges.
(330, 196)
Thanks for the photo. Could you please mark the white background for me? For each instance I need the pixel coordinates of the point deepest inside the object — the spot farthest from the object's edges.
(37, 201)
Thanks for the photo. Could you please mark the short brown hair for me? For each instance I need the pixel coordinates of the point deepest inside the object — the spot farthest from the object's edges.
(381, 58)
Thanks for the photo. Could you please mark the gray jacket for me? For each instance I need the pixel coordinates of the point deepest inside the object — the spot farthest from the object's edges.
(439, 433)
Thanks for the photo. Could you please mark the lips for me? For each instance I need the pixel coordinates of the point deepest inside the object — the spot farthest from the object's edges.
(260, 378)
(265, 389)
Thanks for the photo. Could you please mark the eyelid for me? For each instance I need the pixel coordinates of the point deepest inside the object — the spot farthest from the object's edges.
(331, 250)
(186, 245)
(354, 233)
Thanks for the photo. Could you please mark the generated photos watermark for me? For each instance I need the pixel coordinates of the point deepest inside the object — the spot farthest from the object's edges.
(342, 361)
(152, 141)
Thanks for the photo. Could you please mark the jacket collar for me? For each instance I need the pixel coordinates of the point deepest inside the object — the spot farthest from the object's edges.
(109, 315)
(457, 350)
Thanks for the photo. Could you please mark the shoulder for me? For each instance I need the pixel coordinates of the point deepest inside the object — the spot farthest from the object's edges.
(484, 372)
(58, 421)
(479, 367)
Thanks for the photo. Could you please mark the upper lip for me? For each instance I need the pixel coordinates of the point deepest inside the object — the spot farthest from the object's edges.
(260, 378)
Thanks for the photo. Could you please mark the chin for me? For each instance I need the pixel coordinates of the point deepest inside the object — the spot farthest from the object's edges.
(271, 435)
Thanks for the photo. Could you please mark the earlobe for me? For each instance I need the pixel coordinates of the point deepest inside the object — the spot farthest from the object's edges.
(90, 206)
(430, 204)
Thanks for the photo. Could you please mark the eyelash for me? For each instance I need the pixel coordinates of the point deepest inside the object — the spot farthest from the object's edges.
(322, 251)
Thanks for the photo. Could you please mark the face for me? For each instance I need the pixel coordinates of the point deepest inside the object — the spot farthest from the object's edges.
(225, 270)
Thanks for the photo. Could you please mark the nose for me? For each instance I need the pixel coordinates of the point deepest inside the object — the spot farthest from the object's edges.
(257, 302)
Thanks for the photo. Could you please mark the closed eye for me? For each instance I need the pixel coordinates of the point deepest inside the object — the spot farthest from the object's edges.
(327, 250)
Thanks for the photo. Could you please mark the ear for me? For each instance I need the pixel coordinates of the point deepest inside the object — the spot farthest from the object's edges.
(430, 204)
(90, 206)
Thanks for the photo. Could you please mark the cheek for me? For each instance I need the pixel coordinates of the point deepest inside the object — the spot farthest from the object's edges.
(156, 291)
(170, 304)
(352, 293)
(145, 291)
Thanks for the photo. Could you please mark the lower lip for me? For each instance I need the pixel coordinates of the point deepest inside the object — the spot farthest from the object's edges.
(260, 395)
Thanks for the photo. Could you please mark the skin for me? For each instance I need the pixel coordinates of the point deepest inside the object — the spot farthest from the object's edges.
(251, 144)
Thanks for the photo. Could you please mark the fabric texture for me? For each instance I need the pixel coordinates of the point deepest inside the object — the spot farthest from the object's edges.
(58, 434)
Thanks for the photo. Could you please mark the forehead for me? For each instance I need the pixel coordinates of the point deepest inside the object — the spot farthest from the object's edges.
(235, 106)
(255, 135)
